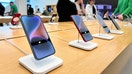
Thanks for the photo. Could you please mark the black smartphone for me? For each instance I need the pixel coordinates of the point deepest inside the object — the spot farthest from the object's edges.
(102, 23)
(114, 22)
(52, 18)
(81, 27)
(37, 36)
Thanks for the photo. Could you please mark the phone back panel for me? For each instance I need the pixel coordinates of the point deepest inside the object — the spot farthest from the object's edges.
(84, 32)
(102, 23)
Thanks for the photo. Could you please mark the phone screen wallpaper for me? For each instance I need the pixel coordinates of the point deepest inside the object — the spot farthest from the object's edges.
(38, 37)
(80, 24)
(82, 28)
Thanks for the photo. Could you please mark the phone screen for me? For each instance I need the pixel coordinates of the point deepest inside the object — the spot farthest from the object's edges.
(102, 23)
(86, 35)
(37, 36)
(114, 22)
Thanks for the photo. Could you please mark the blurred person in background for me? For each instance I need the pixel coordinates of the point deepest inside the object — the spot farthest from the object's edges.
(80, 7)
(13, 9)
(2, 10)
(91, 9)
(124, 8)
(65, 9)
(30, 10)
(45, 12)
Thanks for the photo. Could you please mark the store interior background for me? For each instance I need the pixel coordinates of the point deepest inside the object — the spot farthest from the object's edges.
(41, 4)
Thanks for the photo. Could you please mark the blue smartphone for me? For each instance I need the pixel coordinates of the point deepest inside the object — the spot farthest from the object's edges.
(81, 27)
(114, 22)
(102, 23)
(37, 36)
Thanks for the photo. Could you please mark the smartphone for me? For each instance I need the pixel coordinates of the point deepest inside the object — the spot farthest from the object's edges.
(114, 22)
(81, 27)
(131, 19)
(37, 36)
(102, 23)
(52, 18)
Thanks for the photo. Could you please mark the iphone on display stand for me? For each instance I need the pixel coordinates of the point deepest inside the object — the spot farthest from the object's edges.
(129, 20)
(104, 26)
(118, 31)
(42, 60)
(52, 20)
(85, 34)
(81, 27)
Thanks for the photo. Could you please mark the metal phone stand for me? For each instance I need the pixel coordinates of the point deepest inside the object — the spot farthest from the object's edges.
(83, 45)
(115, 31)
(103, 36)
(52, 21)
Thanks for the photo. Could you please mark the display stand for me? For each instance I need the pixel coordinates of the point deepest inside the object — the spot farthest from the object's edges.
(52, 20)
(83, 45)
(128, 24)
(103, 36)
(53, 23)
(116, 31)
(15, 27)
(40, 66)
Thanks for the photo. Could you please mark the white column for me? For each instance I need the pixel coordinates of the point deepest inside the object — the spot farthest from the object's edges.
(22, 6)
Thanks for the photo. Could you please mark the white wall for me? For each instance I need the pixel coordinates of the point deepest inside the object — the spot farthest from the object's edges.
(42, 4)
(22, 6)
